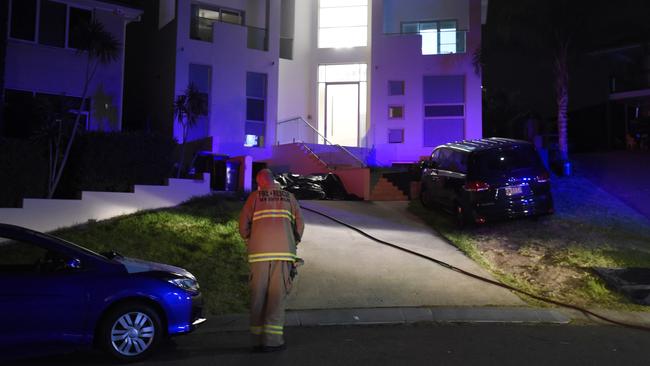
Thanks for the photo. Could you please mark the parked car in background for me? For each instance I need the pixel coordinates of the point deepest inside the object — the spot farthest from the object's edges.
(56, 296)
(486, 179)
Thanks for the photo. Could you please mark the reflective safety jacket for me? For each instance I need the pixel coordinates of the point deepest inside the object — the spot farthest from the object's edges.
(272, 223)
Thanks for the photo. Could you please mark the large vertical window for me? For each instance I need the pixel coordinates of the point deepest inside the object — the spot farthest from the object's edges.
(23, 20)
(342, 23)
(203, 18)
(48, 22)
(79, 18)
(255, 129)
(201, 77)
(51, 30)
(438, 37)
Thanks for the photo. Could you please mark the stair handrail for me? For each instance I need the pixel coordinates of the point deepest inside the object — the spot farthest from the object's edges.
(363, 164)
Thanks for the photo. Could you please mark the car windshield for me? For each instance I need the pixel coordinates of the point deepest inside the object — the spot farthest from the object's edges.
(505, 161)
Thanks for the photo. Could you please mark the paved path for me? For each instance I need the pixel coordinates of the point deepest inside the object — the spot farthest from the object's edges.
(346, 270)
(624, 174)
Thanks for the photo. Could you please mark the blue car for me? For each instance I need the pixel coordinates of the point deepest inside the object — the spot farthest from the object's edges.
(58, 295)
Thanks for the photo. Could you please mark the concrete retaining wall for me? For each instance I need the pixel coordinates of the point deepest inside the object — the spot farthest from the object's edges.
(47, 215)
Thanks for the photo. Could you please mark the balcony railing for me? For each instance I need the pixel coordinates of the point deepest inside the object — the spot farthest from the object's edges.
(258, 38)
(298, 130)
(440, 42)
(627, 83)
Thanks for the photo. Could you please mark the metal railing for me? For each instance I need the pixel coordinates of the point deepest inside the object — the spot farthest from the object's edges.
(459, 46)
(299, 125)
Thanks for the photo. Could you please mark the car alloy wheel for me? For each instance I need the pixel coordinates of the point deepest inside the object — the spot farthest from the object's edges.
(132, 334)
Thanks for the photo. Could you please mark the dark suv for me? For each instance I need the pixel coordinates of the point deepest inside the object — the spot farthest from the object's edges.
(487, 179)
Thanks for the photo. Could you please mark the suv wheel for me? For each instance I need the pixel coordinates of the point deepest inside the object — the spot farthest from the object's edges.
(130, 332)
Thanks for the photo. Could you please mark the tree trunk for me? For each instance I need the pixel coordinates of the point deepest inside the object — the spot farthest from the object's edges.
(562, 99)
(182, 159)
(90, 72)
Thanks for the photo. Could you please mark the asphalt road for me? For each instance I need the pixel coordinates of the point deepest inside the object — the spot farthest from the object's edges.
(431, 344)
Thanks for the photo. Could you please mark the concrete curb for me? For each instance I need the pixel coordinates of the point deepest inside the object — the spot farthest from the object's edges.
(370, 316)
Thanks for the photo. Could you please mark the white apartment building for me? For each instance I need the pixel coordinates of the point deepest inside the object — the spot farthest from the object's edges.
(393, 78)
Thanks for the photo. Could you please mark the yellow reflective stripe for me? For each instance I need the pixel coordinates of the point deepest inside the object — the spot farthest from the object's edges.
(267, 254)
(278, 327)
(269, 216)
(286, 259)
(273, 332)
(260, 212)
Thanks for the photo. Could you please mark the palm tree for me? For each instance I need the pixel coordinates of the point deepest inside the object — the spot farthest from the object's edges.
(563, 29)
(188, 108)
(100, 48)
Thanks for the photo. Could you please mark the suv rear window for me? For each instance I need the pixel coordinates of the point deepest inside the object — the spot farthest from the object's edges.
(503, 161)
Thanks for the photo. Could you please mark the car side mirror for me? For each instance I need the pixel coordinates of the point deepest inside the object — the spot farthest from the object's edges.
(72, 264)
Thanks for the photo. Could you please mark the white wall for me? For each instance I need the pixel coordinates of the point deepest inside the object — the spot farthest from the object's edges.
(399, 57)
(47, 215)
(230, 59)
(298, 88)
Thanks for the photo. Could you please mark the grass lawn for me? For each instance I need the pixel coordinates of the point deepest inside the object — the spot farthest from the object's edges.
(200, 235)
(553, 255)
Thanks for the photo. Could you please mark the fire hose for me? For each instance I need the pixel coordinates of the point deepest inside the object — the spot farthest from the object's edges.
(478, 277)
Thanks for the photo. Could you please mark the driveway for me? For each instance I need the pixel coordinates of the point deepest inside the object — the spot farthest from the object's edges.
(343, 269)
(624, 174)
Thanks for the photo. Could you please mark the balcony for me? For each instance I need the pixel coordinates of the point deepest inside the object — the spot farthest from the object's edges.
(441, 42)
(258, 38)
(629, 83)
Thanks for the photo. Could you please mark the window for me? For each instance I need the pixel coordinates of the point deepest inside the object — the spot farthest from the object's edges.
(395, 136)
(20, 257)
(444, 110)
(52, 20)
(452, 160)
(51, 30)
(23, 20)
(438, 37)
(342, 23)
(395, 87)
(396, 112)
(255, 128)
(203, 18)
(200, 76)
(79, 18)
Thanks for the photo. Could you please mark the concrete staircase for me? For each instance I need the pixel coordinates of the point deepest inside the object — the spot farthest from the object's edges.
(384, 190)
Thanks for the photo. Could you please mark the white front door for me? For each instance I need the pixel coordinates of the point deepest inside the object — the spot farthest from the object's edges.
(342, 113)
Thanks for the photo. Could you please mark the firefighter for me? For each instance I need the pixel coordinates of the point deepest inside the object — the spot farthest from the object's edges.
(272, 225)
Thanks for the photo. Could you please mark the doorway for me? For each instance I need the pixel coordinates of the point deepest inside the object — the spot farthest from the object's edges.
(342, 113)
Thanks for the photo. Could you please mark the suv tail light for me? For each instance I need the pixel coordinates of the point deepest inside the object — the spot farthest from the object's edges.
(476, 186)
(543, 178)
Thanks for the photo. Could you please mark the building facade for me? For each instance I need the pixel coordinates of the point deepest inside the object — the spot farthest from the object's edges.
(42, 61)
(392, 77)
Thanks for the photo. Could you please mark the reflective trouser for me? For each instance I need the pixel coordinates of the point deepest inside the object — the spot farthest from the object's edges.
(270, 284)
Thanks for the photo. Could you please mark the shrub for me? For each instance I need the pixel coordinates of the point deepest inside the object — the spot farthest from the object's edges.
(23, 170)
(116, 161)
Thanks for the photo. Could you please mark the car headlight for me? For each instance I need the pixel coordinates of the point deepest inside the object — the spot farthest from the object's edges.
(185, 283)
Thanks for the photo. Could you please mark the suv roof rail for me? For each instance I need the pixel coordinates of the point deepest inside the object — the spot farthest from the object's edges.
(484, 143)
